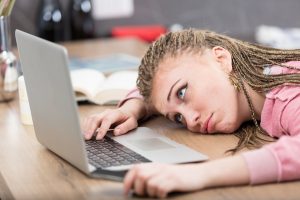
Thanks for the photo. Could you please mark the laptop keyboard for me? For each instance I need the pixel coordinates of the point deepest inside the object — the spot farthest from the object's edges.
(108, 153)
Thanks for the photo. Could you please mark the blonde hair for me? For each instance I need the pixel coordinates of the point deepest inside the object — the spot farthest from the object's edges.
(248, 62)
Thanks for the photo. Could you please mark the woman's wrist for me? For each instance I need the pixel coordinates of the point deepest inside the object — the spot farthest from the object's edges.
(135, 107)
(224, 172)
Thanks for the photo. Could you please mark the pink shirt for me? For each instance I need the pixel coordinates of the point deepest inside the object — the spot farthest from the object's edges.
(278, 161)
(280, 117)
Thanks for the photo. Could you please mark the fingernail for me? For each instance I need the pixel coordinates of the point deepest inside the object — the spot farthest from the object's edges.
(98, 137)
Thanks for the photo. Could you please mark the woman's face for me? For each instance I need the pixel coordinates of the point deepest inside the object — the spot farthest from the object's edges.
(194, 89)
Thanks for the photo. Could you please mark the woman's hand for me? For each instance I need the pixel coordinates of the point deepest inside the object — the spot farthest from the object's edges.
(157, 180)
(124, 119)
(103, 121)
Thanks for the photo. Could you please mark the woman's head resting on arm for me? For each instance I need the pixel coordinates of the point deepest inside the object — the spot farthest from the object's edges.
(207, 81)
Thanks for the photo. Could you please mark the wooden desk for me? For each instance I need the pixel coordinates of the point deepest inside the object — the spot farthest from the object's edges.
(29, 171)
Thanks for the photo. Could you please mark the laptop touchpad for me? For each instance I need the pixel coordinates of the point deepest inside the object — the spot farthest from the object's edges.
(150, 144)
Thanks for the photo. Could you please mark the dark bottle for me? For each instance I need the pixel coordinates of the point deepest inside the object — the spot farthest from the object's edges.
(81, 20)
(50, 21)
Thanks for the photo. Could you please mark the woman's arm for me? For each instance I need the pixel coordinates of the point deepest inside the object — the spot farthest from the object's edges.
(278, 161)
(145, 110)
(157, 180)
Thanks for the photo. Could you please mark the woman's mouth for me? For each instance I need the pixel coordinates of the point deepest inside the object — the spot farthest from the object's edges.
(207, 125)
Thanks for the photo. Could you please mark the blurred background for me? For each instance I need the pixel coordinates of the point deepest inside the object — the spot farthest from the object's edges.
(65, 20)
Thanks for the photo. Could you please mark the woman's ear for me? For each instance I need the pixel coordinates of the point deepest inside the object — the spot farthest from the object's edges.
(223, 56)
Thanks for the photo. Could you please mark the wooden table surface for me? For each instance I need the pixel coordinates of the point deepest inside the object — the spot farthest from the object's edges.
(30, 171)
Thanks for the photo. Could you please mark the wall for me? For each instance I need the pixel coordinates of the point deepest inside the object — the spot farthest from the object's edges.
(237, 18)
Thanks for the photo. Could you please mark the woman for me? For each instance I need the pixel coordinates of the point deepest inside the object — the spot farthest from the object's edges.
(212, 83)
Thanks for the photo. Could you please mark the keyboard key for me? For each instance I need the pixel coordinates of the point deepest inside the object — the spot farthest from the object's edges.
(107, 152)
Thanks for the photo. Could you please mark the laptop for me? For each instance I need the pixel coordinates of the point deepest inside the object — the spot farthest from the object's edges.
(56, 121)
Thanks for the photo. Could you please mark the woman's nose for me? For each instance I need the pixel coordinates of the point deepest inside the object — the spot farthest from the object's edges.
(191, 118)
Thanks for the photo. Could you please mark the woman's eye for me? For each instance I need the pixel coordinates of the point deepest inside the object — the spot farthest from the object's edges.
(178, 118)
(181, 92)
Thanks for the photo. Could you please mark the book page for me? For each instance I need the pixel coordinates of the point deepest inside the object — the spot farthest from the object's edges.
(116, 86)
(87, 81)
(121, 80)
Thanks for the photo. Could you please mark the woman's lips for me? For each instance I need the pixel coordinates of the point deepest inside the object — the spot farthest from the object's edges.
(209, 123)
(206, 124)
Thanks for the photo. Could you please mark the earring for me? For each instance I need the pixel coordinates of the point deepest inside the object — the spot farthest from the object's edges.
(234, 81)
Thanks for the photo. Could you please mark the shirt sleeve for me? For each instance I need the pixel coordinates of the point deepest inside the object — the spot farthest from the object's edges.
(279, 161)
(134, 93)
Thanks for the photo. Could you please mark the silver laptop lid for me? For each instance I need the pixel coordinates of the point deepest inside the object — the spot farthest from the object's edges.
(51, 98)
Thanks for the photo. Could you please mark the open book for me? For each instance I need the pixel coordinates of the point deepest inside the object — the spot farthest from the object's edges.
(92, 85)
(106, 64)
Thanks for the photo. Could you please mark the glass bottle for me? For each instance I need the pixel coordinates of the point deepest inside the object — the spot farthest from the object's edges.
(81, 20)
(50, 21)
(8, 63)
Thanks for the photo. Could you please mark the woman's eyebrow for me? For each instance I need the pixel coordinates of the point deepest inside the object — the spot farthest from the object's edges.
(170, 92)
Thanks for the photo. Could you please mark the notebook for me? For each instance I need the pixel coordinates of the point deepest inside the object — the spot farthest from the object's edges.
(56, 121)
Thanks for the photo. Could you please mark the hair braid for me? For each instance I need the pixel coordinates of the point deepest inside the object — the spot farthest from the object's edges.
(248, 62)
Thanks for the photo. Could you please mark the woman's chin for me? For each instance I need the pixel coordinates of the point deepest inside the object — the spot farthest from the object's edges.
(227, 128)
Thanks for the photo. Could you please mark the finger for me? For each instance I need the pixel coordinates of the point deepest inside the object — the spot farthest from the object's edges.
(151, 186)
(85, 125)
(91, 125)
(107, 122)
(144, 174)
(129, 124)
(161, 186)
(128, 180)
(101, 131)
(139, 184)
